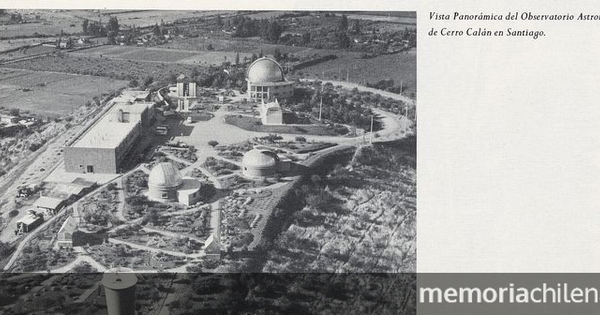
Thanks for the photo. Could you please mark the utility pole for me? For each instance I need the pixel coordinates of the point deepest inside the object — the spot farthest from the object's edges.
(371, 129)
(401, 84)
(347, 75)
(321, 103)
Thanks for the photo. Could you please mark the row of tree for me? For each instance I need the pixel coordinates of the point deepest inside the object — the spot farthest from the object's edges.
(94, 28)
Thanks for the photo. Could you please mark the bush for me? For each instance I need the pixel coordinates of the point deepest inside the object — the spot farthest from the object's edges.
(13, 213)
(300, 139)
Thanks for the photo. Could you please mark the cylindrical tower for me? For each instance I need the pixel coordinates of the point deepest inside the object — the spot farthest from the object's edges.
(119, 288)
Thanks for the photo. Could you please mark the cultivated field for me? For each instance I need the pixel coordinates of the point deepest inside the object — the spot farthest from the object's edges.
(161, 55)
(50, 94)
(105, 67)
(243, 45)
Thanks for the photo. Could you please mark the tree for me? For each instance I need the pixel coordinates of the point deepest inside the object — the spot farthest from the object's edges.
(213, 143)
(112, 28)
(85, 25)
(343, 23)
(14, 112)
(237, 59)
(344, 40)
(356, 27)
(156, 30)
(273, 33)
(277, 55)
(147, 81)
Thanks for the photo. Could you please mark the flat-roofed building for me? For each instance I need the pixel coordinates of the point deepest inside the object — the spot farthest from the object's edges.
(50, 205)
(270, 113)
(104, 146)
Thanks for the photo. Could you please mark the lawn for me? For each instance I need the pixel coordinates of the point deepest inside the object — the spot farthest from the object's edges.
(253, 124)
(51, 94)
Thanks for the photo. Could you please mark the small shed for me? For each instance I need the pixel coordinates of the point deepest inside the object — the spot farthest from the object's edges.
(50, 205)
(29, 222)
(65, 234)
(212, 246)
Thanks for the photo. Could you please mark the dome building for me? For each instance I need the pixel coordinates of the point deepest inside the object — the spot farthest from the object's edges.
(165, 183)
(266, 81)
(259, 163)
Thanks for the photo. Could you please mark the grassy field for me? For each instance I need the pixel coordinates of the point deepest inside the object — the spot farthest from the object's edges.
(251, 124)
(243, 45)
(106, 67)
(50, 94)
(26, 52)
(398, 67)
(190, 57)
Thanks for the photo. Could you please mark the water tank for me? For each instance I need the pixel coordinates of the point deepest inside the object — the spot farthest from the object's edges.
(119, 288)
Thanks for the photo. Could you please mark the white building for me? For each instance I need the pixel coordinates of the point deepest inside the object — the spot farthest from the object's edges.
(270, 113)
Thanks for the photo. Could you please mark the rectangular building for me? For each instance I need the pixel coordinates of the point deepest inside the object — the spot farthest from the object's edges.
(105, 145)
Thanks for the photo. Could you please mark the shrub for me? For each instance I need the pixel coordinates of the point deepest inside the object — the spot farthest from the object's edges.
(13, 213)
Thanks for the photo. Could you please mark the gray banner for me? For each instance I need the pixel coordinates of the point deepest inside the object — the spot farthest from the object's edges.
(515, 294)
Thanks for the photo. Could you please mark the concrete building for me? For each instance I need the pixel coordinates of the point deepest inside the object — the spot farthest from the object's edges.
(49, 205)
(184, 93)
(266, 81)
(119, 289)
(104, 146)
(259, 163)
(165, 183)
(270, 113)
(65, 234)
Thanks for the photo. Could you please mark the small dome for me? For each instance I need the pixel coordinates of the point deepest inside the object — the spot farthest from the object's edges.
(260, 158)
(166, 175)
(265, 70)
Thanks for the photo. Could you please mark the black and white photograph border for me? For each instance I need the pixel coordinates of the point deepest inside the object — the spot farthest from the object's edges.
(177, 162)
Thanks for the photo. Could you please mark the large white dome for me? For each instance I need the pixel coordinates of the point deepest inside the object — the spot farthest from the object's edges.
(165, 175)
(265, 70)
(259, 158)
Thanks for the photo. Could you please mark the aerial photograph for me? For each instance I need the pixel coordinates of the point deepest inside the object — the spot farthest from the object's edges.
(207, 162)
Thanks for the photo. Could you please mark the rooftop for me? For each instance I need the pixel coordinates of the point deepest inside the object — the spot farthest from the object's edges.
(48, 202)
(108, 133)
(28, 219)
(105, 135)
